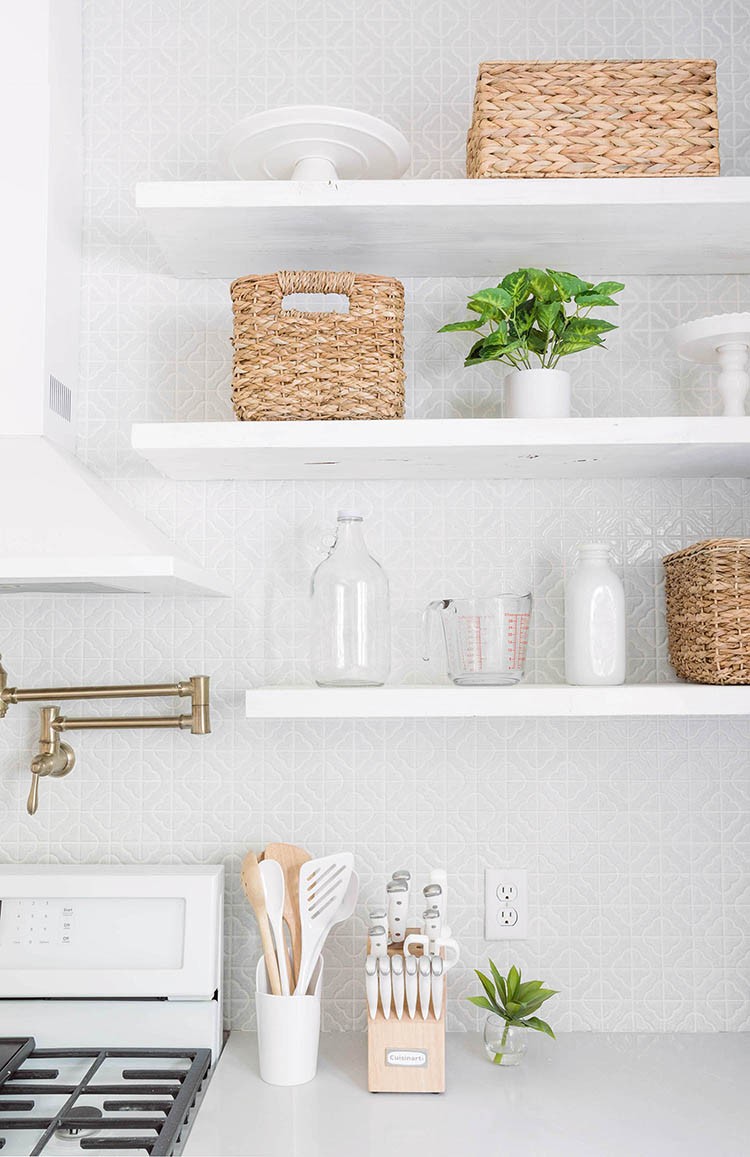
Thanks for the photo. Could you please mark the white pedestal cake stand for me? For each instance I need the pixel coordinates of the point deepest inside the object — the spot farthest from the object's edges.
(314, 143)
(723, 340)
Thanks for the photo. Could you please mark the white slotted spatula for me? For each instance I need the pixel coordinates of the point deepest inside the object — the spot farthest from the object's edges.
(322, 886)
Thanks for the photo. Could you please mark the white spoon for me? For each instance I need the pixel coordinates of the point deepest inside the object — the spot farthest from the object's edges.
(272, 875)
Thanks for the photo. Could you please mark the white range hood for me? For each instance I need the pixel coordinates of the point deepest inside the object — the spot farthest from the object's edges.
(61, 528)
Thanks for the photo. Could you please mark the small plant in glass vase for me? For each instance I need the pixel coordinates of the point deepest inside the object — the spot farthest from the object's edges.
(536, 316)
(511, 1006)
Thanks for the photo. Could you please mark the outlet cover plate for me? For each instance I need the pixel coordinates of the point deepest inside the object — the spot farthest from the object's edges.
(499, 885)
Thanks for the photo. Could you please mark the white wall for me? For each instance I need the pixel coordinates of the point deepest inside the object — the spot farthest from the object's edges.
(635, 833)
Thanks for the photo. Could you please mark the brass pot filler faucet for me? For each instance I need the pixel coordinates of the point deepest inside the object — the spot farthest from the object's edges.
(57, 758)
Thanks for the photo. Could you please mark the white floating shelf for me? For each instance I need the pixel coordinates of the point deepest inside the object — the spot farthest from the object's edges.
(451, 228)
(538, 700)
(449, 448)
(110, 575)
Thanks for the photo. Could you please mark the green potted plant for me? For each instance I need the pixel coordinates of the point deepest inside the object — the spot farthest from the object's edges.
(531, 320)
(511, 1006)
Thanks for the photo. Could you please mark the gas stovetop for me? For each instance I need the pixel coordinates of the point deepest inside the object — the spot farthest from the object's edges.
(114, 1101)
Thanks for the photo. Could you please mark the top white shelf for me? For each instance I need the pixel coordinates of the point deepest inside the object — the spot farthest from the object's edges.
(451, 228)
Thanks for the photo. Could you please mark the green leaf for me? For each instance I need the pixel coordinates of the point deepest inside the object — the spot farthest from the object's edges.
(542, 285)
(536, 341)
(454, 326)
(517, 285)
(608, 287)
(576, 345)
(498, 336)
(533, 1004)
(493, 301)
(481, 1002)
(582, 326)
(546, 314)
(513, 981)
(512, 1007)
(539, 1025)
(569, 283)
(528, 986)
(592, 298)
(487, 985)
(502, 992)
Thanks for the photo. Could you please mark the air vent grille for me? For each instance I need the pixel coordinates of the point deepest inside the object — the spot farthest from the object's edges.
(60, 399)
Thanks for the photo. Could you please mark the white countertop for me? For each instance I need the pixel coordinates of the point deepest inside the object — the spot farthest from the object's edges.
(584, 1095)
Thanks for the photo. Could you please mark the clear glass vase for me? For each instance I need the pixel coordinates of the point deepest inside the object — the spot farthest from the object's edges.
(351, 643)
(505, 1044)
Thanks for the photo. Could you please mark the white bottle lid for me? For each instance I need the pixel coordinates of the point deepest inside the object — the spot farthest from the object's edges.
(349, 516)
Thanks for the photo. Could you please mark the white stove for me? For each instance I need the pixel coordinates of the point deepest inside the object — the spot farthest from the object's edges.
(110, 1005)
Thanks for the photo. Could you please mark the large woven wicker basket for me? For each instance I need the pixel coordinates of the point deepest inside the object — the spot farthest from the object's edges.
(594, 118)
(295, 365)
(708, 611)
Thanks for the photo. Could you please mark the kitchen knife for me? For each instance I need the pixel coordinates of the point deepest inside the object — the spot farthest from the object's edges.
(371, 985)
(432, 928)
(437, 985)
(425, 985)
(397, 896)
(378, 940)
(384, 977)
(440, 876)
(397, 981)
(403, 877)
(410, 983)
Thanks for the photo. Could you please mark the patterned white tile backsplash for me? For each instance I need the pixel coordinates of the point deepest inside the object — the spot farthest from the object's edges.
(636, 833)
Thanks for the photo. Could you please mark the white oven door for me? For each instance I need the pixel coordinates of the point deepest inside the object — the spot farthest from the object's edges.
(101, 931)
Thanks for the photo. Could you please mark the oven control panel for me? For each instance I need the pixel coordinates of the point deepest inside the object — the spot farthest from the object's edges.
(114, 932)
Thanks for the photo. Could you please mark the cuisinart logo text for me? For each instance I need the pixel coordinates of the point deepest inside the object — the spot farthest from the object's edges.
(406, 1058)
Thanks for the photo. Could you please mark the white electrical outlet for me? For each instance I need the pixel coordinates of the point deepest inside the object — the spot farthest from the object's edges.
(505, 904)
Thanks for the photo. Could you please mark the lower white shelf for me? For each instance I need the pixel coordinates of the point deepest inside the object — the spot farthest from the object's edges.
(528, 699)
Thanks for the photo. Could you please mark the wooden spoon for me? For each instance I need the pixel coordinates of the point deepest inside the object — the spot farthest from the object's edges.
(291, 859)
(252, 882)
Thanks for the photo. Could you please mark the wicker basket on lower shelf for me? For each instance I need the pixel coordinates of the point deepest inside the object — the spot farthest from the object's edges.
(594, 118)
(708, 611)
(293, 365)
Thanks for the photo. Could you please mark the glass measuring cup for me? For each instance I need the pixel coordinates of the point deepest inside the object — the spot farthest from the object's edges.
(485, 639)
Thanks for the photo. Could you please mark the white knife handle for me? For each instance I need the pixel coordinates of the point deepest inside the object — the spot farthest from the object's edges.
(425, 985)
(378, 940)
(440, 876)
(371, 985)
(397, 910)
(410, 980)
(397, 980)
(384, 977)
(432, 928)
(438, 984)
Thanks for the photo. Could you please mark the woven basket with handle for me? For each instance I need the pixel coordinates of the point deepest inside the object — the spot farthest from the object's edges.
(708, 610)
(594, 118)
(295, 365)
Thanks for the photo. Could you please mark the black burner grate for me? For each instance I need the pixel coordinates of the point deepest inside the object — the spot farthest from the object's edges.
(165, 1113)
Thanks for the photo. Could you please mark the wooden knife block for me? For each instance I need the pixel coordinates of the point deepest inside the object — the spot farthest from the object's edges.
(406, 1056)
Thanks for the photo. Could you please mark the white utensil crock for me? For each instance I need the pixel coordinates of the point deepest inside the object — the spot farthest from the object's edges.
(537, 394)
(288, 1030)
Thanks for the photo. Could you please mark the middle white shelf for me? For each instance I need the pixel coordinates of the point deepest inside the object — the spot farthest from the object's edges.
(458, 448)
(538, 700)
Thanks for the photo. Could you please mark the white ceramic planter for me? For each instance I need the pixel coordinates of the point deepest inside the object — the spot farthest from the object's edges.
(537, 394)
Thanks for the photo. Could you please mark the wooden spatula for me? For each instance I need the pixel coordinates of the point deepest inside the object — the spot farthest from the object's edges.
(252, 882)
(291, 859)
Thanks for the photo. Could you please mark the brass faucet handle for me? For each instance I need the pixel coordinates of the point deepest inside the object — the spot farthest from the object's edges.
(32, 803)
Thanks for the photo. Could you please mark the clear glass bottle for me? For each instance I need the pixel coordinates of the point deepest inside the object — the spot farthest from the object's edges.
(594, 621)
(351, 628)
